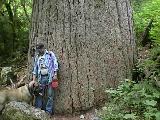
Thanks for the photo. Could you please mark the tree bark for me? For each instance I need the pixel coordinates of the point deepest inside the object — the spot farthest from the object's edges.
(94, 43)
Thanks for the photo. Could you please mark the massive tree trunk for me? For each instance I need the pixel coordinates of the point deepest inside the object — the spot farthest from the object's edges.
(94, 43)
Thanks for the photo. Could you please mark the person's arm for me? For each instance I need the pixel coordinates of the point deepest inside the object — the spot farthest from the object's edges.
(34, 77)
(55, 66)
(35, 70)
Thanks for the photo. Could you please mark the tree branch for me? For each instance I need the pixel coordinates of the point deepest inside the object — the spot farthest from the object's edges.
(145, 36)
(24, 8)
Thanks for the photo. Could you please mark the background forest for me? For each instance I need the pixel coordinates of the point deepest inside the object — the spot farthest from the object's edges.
(137, 98)
(15, 17)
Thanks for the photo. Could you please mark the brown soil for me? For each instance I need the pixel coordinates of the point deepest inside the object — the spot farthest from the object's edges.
(87, 116)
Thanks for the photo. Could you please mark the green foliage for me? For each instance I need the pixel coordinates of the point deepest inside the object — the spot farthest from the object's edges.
(137, 100)
(151, 66)
(14, 32)
(144, 11)
(132, 101)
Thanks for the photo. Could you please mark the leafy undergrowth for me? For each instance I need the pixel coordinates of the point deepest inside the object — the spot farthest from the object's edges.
(144, 11)
(132, 101)
(137, 100)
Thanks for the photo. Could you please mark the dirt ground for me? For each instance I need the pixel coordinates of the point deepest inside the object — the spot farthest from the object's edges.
(90, 115)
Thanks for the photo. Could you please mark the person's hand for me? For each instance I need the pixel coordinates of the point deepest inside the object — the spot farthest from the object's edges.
(31, 83)
(55, 77)
(35, 83)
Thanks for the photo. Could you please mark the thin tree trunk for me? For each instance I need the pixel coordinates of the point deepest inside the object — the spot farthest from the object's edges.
(94, 43)
(10, 13)
(25, 11)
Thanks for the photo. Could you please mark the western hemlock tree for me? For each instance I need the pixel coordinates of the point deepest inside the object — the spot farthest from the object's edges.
(94, 43)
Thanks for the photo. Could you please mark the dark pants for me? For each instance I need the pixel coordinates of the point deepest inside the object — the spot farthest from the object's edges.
(45, 101)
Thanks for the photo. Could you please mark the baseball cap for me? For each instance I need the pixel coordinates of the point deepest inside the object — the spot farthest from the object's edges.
(39, 46)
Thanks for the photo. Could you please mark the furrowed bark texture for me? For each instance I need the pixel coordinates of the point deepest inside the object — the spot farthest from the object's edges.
(94, 43)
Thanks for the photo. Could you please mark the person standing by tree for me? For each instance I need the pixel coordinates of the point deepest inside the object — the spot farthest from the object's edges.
(45, 70)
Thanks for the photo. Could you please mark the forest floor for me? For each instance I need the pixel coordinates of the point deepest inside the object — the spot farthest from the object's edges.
(90, 115)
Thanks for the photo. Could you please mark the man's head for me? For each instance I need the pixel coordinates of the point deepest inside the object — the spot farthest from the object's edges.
(40, 48)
